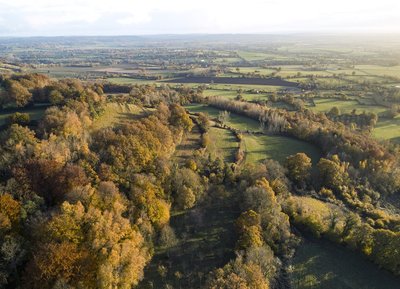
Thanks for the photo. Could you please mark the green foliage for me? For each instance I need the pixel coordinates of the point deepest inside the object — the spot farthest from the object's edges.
(18, 118)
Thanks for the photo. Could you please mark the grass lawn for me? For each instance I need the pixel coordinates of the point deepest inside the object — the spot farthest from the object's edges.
(323, 265)
(223, 143)
(261, 147)
(235, 120)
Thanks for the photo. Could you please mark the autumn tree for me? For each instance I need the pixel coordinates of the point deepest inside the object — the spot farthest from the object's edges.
(249, 229)
(299, 167)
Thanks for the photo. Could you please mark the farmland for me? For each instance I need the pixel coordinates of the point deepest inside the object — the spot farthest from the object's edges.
(346, 106)
(235, 80)
(388, 130)
(202, 199)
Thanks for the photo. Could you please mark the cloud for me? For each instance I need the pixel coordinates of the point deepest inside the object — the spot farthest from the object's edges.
(72, 17)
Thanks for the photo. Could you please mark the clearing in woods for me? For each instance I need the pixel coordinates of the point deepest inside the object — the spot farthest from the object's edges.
(261, 147)
(320, 264)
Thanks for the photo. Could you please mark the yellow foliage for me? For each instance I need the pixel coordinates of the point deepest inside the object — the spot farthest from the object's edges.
(10, 212)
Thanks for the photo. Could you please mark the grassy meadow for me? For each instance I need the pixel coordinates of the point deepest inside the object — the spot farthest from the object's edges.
(261, 147)
(323, 265)
(235, 121)
(116, 113)
(35, 113)
(223, 143)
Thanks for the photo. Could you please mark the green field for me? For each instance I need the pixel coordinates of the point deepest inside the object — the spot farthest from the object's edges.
(235, 87)
(236, 121)
(380, 70)
(126, 80)
(223, 143)
(324, 265)
(115, 113)
(252, 56)
(190, 143)
(261, 147)
(385, 129)
(35, 113)
(257, 70)
(388, 130)
(345, 106)
(232, 94)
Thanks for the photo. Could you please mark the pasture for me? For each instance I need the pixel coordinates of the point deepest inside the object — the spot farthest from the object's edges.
(388, 130)
(223, 144)
(345, 106)
(232, 94)
(129, 81)
(117, 113)
(378, 70)
(235, 121)
(235, 87)
(234, 80)
(261, 147)
(319, 264)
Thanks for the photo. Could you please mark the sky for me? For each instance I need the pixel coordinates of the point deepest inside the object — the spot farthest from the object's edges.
(142, 17)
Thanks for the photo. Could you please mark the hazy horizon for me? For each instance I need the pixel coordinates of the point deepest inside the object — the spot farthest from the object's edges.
(154, 17)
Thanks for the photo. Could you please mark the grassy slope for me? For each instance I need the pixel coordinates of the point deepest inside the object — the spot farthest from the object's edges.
(223, 143)
(35, 113)
(206, 241)
(115, 113)
(324, 265)
(261, 147)
(388, 129)
(189, 144)
(236, 121)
